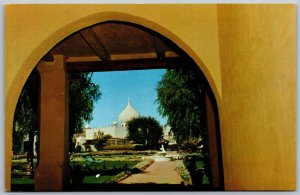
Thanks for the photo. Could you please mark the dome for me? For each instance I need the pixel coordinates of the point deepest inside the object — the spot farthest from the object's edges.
(128, 113)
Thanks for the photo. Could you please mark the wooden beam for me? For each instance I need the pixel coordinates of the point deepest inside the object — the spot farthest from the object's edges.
(118, 65)
(96, 44)
(159, 47)
(114, 57)
(171, 54)
(82, 58)
(133, 56)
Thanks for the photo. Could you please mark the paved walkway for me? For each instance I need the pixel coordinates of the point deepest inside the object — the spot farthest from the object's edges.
(160, 172)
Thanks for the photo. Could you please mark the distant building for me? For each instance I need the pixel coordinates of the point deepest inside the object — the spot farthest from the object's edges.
(118, 132)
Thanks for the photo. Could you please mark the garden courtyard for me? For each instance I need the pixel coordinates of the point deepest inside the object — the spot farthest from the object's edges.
(123, 170)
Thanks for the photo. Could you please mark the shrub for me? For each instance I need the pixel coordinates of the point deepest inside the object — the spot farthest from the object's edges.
(173, 147)
(119, 147)
(195, 164)
(125, 147)
(19, 157)
(190, 145)
(100, 140)
(78, 149)
(138, 147)
(184, 173)
(117, 153)
(118, 177)
(142, 165)
(146, 131)
(77, 174)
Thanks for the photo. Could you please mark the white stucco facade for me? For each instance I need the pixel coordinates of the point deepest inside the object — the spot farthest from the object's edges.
(114, 131)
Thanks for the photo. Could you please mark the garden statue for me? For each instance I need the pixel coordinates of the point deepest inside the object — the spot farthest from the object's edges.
(162, 148)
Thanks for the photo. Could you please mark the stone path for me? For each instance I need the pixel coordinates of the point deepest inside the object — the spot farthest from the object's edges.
(160, 172)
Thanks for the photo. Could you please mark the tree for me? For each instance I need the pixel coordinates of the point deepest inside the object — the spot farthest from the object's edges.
(83, 93)
(180, 98)
(180, 95)
(26, 117)
(146, 131)
(100, 140)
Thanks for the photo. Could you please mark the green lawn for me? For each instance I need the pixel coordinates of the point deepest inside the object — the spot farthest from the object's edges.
(22, 164)
(120, 164)
(110, 164)
(22, 180)
(96, 180)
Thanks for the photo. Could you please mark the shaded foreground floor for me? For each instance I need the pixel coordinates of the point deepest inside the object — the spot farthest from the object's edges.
(161, 172)
(121, 188)
(160, 176)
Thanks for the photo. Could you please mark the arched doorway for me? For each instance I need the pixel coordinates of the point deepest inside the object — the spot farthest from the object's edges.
(160, 57)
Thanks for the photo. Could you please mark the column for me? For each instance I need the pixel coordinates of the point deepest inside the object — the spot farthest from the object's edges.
(213, 142)
(52, 171)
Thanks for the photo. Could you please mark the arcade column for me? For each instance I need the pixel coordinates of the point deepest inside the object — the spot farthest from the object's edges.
(52, 171)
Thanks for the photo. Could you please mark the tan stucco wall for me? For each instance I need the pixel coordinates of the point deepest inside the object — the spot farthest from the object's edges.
(31, 30)
(258, 124)
(253, 78)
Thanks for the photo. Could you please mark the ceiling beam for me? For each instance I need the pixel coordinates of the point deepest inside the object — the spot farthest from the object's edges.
(95, 44)
(133, 56)
(82, 58)
(159, 47)
(114, 57)
(118, 65)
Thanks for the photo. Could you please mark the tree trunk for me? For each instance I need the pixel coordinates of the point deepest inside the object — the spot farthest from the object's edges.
(30, 154)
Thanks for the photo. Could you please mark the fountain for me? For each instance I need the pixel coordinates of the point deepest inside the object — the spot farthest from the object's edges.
(161, 155)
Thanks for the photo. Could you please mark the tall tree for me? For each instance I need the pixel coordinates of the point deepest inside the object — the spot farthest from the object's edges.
(180, 95)
(180, 98)
(83, 94)
(26, 117)
(146, 131)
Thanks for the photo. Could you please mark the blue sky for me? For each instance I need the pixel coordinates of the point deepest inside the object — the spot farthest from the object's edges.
(117, 86)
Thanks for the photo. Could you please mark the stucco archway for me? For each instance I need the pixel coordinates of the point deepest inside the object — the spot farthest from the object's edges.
(36, 55)
(65, 31)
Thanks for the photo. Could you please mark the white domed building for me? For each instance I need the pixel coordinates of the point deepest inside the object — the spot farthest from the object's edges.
(128, 114)
(118, 132)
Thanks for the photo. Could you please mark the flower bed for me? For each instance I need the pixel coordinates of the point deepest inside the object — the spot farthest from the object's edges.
(143, 165)
(119, 167)
(133, 147)
(119, 177)
(137, 168)
(119, 147)
(184, 173)
(117, 153)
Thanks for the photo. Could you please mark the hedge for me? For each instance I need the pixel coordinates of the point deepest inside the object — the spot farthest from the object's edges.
(124, 174)
(125, 147)
(184, 173)
(116, 152)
